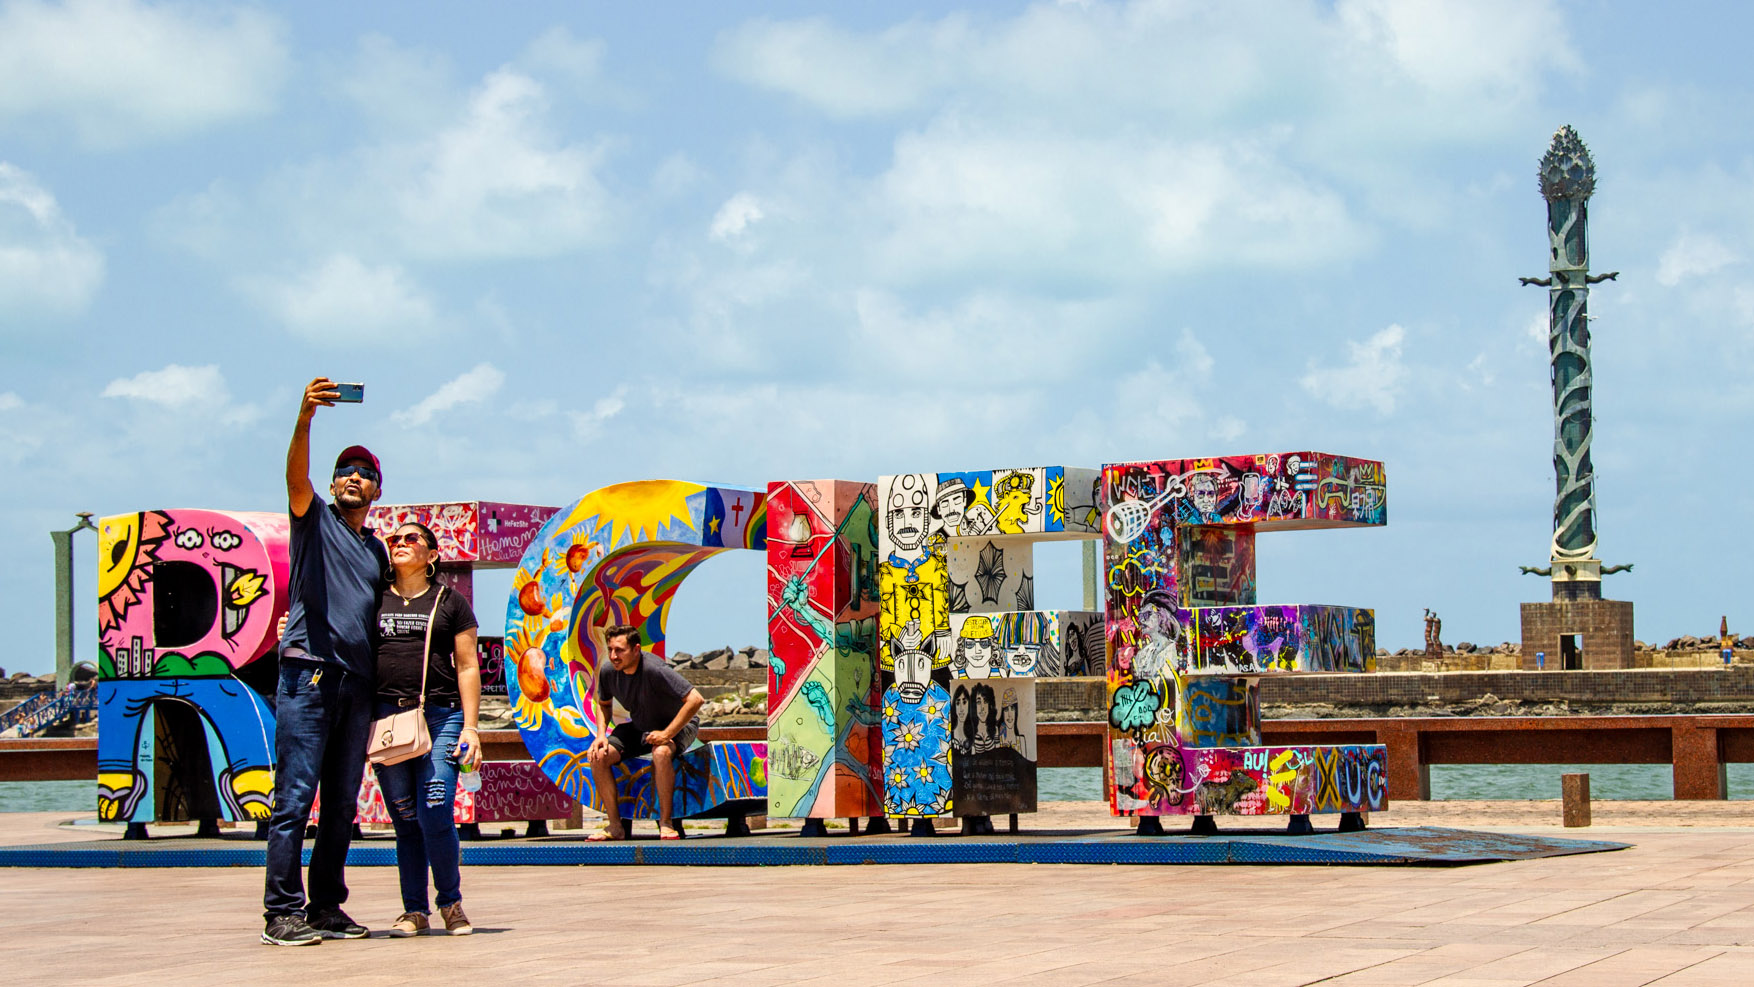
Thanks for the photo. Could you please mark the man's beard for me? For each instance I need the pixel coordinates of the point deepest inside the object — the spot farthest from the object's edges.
(351, 500)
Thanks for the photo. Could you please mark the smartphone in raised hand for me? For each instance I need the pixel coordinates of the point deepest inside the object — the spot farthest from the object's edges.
(349, 393)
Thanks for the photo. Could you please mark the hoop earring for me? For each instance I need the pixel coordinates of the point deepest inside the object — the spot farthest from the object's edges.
(432, 570)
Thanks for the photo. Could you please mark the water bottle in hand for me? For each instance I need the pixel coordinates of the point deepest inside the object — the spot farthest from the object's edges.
(467, 776)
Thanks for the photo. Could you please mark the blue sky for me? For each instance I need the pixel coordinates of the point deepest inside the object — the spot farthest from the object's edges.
(567, 245)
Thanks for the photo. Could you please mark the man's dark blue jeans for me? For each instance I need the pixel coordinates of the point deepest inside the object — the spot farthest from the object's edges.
(322, 722)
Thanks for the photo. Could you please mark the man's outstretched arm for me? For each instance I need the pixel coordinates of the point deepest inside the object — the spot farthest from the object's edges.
(299, 492)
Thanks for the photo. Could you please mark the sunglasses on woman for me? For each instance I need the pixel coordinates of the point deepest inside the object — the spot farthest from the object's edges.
(405, 538)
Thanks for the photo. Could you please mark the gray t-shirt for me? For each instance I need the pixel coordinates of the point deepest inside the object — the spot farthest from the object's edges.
(652, 695)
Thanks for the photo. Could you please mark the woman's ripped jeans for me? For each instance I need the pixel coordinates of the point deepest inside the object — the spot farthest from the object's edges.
(419, 794)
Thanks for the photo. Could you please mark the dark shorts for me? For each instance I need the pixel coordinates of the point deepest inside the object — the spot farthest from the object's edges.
(631, 740)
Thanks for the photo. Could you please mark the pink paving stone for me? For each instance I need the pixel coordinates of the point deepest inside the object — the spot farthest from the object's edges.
(1603, 919)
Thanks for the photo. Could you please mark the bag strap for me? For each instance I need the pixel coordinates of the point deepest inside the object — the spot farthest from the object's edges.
(426, 649)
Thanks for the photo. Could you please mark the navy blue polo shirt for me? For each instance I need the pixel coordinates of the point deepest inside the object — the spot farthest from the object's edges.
(338, 573)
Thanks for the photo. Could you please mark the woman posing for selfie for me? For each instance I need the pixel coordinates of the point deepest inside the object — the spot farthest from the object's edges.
(419, 792)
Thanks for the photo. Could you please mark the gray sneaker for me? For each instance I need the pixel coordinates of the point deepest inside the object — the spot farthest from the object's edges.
(290, 930)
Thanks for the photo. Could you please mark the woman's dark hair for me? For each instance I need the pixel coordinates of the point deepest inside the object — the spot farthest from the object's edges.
(426, 534)
(970, 722)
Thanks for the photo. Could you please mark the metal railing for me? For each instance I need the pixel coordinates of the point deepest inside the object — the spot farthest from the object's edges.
(47, 709)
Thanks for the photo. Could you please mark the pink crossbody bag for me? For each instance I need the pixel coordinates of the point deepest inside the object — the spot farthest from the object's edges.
(403, 735)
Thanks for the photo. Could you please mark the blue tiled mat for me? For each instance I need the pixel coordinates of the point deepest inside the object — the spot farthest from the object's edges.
(1421, 845)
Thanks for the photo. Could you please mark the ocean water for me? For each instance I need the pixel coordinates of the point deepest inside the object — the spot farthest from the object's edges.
(1464, 782)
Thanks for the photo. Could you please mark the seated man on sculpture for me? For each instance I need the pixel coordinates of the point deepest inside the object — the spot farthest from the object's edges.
(662, 720)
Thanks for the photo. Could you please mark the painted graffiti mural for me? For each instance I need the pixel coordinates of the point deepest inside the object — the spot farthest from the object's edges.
(185, 600)
(1162, 779)
(481, 534)
(956, 581)
(1187, 640)
(823, 732)
(617, 556)
(992, 743)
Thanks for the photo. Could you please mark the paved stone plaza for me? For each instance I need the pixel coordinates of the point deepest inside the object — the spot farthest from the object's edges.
(1677, 908)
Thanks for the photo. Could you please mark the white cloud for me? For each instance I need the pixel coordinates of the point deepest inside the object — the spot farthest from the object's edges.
(1538, 328)
(589, 425)
(398, 88)
(1178, 61)
(485, 176)
(473, 386)
(963, 196)
(840, 72)
(1463, 46)
(1152, 402)
(985, 342)
(495, 183)
(342, 299)
(559, 53)
(175, 386)
(1373, 377)
(118, 71)
(10, 401)
(1195, 360)
(1693, 255)
(46, 267)
(739, 212)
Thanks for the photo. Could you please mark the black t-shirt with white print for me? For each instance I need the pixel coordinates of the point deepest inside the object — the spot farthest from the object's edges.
(402, 633)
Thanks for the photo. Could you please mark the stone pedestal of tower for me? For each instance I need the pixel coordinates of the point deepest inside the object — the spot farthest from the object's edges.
(1578, 630)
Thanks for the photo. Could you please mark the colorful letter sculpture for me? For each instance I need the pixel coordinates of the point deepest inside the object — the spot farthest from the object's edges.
(186, 599)
(617, 556)
(904, 639)
(1187, 642)
(823, 742)
(959, 544)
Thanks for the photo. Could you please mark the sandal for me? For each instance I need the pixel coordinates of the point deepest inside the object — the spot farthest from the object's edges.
(674, 834)
(604, 836)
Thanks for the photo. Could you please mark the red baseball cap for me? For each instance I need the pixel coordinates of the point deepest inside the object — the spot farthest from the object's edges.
(360, 452)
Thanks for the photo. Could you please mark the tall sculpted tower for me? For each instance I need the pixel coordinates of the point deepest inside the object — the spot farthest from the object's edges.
(1578, 629)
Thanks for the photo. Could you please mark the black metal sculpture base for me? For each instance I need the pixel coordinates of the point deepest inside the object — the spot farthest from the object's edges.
(877, 826)
(922, 827)
(1352, 822)
(813, 827)
(1204, 826)
(1299, 825)
(1149, 826)
(737, 825)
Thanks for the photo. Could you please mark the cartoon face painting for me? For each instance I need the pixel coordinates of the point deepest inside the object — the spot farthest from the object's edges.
(909, 511)
(913, 670)
(1203, 492)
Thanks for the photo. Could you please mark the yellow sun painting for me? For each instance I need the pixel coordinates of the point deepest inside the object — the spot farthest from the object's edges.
(126, 545)
(638, 510)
